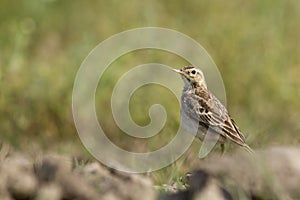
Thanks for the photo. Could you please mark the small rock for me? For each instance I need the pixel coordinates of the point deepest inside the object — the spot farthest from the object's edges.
(49, 192)
(20, 180)
(22, 186)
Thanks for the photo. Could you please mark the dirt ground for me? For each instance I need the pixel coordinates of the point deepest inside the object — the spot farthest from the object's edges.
(268, 174)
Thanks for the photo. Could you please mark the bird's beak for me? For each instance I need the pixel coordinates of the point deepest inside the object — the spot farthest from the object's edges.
(177, 70)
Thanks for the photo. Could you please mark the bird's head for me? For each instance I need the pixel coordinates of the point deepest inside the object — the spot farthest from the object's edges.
(192, 76)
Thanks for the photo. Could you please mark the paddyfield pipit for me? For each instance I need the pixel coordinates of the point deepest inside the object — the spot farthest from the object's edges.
(201, 109)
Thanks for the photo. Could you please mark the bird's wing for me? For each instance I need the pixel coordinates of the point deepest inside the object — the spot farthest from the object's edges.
(209, 112)
(226, 123)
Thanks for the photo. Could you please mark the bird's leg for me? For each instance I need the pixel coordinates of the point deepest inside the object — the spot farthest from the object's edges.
(222, 149)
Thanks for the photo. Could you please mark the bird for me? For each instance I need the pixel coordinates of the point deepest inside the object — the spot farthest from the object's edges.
(201, 109)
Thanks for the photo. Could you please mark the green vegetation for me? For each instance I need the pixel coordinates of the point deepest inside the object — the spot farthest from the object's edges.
(255, 44)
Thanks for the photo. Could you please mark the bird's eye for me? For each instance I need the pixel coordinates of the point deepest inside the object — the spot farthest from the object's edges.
(194, 72)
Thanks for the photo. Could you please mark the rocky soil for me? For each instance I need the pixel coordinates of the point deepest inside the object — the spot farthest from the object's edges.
(268, 174)
(53, 177)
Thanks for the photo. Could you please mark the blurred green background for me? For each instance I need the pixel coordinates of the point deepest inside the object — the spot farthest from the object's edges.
(255, 44)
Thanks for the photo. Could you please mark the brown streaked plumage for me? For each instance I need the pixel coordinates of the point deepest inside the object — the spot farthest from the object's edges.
(201, 107)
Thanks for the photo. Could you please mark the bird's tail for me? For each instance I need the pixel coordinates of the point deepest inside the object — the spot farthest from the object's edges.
(248, 149)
